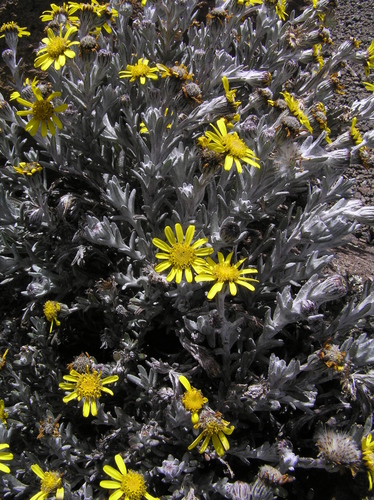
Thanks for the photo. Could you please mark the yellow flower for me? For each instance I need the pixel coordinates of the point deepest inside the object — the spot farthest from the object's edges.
(87, 386)
(317, 54)
(28, 168)
(2, 359)
(56, 50)
(213, 428)
(129, 485)
(225, 273)
(3, 413)
(42, 111)
(59, 13)
(319, 114)
(178, 71)
(234, 148)
(367, 446)
(13, 27)
(280, 8)
(193, 399)
(51, 309)
(180, 255)
(95, 14)
(5, 455)
(230, 94)
(369, 65)
(139, 70)
(50, 483)
(355, 133)
(294, 107)
(26, 83)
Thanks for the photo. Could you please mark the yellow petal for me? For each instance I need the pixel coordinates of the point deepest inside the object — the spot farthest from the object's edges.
(185, 382)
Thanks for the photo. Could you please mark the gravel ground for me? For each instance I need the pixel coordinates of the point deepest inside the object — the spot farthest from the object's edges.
(353, 18)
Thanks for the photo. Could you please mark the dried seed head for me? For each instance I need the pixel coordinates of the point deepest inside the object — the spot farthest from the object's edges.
(257, 391)
(250, 124)
(272, 476)
(81, 362)
(338, 448)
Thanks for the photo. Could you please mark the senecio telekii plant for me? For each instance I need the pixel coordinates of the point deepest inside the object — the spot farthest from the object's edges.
(173, 189)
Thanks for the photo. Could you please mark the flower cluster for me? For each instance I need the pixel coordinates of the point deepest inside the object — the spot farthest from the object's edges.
(211, 424)
(176, 180)
(181, 256)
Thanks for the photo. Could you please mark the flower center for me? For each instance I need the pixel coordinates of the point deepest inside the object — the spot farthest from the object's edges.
(42, 110)
(213, 427)
(89, 385)
(224, 272)
(193, 400)
(234, 145)
(50, 482)
(50, 309)
(56, 47)
(133, 485)
(182, 255)
(140, 70)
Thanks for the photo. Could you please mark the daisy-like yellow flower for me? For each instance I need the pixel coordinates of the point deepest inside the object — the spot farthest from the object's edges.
(179, 254)
(5, 456)
(50, 484)
(230, 144)
(57, 12)
(214, 428)
(127, 484)
(28, 168)
(139, 70)
(295, 109)
(51, 309)
(87, 386)
(42, 111)
(367, 446)
(26, 83)
(369, 64)
(193, 399)
(224, 273)
(56, 50)
(94, 14)
(280, 8)
(3, 413)
(13, 28)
